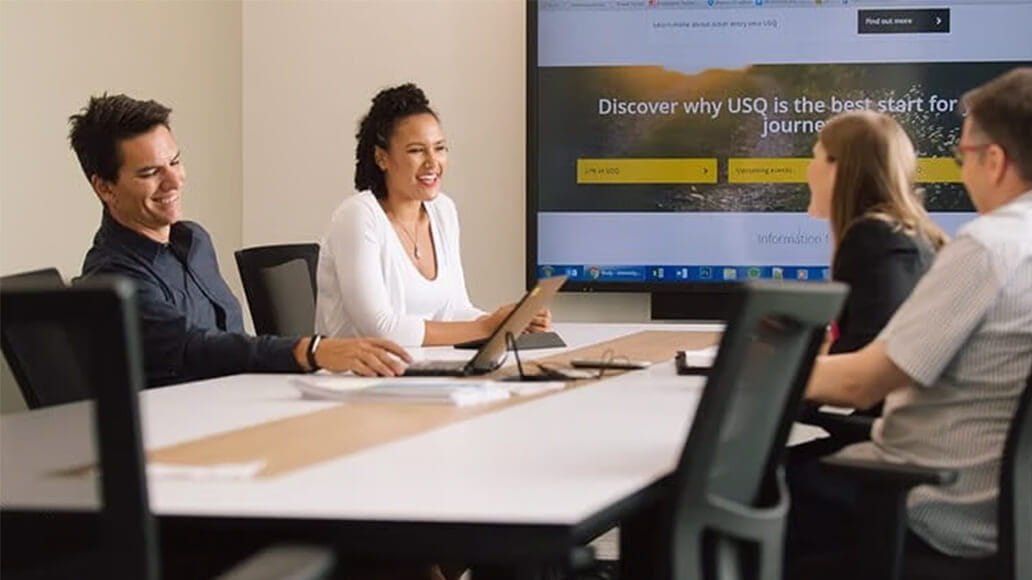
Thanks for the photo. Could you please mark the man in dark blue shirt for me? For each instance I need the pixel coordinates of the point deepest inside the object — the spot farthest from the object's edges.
(191, 322)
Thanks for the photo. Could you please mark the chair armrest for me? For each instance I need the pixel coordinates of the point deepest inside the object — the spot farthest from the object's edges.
(287, 562)
(878, 552)
(887, 474)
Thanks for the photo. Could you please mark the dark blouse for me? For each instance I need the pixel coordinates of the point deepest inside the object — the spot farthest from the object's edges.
(881, 265)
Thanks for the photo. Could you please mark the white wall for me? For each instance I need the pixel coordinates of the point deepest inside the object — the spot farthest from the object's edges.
(310, 72)
(266, 97)
(53, 56)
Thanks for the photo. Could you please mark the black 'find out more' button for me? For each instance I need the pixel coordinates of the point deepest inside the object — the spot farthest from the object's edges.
(929, 20)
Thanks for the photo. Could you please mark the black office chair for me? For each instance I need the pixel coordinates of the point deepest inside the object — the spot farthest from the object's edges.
(42, 356)
(730, 501)
(279, 282)
(105, 312)
(882, 551)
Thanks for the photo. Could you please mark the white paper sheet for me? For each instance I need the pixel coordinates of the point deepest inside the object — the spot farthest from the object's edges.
(446, 391)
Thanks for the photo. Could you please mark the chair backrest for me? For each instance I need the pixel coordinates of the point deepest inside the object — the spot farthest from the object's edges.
(279, 282)
(731, 503)
(1015, 502)
(104, 312)
(42, 355)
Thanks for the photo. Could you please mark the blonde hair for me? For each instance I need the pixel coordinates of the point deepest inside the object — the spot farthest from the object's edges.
(874, 177)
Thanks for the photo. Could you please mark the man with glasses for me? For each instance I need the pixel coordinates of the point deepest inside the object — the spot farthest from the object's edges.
(952, 362)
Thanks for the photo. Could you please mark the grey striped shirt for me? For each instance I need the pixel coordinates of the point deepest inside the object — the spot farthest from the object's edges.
(965, 338)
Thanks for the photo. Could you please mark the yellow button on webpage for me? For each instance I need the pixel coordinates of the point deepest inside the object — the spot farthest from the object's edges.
(767, 170)
(937, 170)
(701, 170)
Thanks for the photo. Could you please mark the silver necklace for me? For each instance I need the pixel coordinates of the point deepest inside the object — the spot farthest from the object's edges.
(412, 236)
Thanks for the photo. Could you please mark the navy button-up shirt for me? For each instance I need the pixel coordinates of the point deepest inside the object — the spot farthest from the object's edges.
(191, 322)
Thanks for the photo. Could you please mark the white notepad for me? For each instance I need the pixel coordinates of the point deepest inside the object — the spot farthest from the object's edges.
(443, 391)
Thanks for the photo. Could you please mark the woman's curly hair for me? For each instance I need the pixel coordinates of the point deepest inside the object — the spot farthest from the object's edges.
(375, 130)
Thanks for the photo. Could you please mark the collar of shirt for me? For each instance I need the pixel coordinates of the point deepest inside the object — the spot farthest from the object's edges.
(113, 233)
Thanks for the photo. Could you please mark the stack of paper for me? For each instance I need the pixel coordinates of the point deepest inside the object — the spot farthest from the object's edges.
(443, 391)
(216, 472)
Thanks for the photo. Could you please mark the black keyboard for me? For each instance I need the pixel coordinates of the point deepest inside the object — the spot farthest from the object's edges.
(438, 368)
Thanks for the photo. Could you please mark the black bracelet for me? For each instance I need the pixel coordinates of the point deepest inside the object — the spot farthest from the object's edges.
(313, 344)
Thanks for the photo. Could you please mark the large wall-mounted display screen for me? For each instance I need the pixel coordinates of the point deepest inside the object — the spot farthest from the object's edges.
(668, 140)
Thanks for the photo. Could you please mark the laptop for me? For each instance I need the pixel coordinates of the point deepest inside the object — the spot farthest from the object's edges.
(492, 354)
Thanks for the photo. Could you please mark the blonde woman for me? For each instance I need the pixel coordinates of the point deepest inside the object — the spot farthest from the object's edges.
(861, 180)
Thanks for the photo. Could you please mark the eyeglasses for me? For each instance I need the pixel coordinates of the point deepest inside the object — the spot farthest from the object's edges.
(959, 151)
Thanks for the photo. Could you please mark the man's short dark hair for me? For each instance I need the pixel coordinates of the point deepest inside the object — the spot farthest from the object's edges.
(1002, 110)
(106, 121)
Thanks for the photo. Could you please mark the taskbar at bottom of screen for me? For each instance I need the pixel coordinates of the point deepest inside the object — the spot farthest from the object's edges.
(695, 273)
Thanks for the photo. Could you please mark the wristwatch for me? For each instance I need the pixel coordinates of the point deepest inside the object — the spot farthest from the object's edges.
(313, 344)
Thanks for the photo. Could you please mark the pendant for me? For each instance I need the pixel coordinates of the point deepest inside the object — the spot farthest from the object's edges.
(416, 253)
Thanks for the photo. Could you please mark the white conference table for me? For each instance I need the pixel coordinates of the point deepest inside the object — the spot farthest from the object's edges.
(515, 484)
